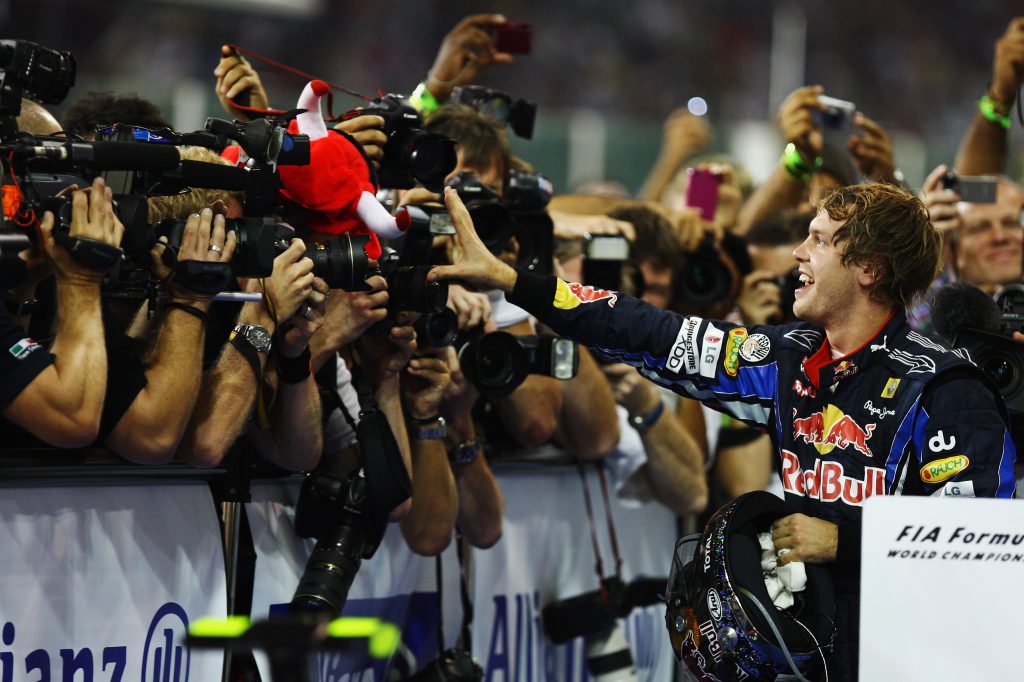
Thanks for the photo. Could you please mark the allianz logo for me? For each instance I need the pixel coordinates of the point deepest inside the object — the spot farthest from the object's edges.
(164, 658)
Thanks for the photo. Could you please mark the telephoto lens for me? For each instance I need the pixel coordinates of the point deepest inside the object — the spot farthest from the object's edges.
(341, 261)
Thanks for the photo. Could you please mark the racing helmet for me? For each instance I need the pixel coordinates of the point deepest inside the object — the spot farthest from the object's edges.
(719, 616)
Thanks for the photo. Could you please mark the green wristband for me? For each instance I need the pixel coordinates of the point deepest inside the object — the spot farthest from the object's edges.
(795, 166)
(423, 100)
(994, 111)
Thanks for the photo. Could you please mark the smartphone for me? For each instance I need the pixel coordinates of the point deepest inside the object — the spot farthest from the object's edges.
(974, 189)
(603, 256)
(838, 113)
(702, 192)
(514, 37)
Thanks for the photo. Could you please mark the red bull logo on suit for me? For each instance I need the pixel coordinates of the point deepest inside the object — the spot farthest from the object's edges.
(831, 428)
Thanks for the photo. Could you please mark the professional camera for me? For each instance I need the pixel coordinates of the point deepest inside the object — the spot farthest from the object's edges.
(519, 115)
(788, 284)
(595, 616)
(411, 154)
(491, 219)
(454, 665)
(702, 279)
(408, 289)
(30, 70)
(603, 258)
(340, 261)
(347, 512)
(497, 363)
(526, 196)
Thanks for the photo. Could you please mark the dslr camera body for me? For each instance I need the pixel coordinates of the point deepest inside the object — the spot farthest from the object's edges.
(411, 154)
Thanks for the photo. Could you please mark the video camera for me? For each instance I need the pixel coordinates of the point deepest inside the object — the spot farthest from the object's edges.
(411, 154)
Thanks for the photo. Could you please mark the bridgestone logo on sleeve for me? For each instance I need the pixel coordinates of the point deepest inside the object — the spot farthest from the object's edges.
(711, 348)
(683, 348)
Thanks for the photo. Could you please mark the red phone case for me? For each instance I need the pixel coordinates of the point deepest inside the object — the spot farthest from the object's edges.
(514, 37)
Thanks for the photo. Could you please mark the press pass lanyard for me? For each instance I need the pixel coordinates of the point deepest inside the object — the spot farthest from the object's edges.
(598, 564)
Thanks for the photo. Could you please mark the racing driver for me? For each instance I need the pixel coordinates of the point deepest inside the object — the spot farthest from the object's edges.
(857, 403)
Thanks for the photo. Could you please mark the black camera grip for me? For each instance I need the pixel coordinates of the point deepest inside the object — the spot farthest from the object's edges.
(202, 277)
(95, 255)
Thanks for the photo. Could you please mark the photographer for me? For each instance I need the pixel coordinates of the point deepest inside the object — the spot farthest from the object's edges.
(149, 401)
(810, 166)
(57, 395)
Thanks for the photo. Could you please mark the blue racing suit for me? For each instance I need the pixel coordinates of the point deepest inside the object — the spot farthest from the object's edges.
(901, 415)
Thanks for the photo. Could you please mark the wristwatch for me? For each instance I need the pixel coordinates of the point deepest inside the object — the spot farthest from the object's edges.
(643, 422)
(465, 453)
(257, 336)
(431, 430)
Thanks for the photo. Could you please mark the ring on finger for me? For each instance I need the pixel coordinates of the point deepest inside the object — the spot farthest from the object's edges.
(307, 312)
(216, 249)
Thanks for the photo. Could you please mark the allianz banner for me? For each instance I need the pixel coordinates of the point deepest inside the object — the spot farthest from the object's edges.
(545, 555)
(101, 582)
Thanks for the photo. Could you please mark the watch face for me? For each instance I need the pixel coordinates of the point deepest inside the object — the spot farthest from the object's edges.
(258, 337)
(465, 454)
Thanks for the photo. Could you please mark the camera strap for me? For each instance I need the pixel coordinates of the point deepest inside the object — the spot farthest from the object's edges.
(295, 72)
(588, 505)
(465, 642)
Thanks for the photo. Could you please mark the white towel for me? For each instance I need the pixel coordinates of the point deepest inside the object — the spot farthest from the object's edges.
(781, 581)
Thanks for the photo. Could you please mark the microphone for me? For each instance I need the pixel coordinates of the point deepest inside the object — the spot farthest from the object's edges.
(210, 175)
(958, 306)
(112, 155)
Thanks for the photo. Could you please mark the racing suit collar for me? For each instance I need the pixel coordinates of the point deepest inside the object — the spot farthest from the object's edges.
(822, 370)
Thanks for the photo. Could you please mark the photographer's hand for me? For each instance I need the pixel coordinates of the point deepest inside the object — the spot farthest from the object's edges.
(291, 282)
(760, 300)
(349, 314)
(1008, 63)
(941, 203)
(797, 121)
(92, 217)
(296, 332)
(872, 150)
(368, 131)
(466, 50)
(578, 226)
(472, 262)
(236, 75)
(204, 240)
(425, 382)
(473, 308)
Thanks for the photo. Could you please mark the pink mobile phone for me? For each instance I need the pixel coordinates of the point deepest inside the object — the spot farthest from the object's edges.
(702, 192)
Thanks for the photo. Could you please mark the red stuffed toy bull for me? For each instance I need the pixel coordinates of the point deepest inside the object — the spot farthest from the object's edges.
(337, 183)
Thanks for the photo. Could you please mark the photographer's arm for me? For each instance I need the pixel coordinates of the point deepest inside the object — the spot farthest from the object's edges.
(480, 503)
(236, 76)
(983, 149)
(684, 135)
(229, 389)
(587, 424)
(149, 430)
(294, 440)
(427, 528)
(675, 461)
(63, 404)
(778, 192)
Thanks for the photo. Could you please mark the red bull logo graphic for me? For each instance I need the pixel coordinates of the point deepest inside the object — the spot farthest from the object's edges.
(831, 428)
(828, 481)
(588, 294)
(570, 295)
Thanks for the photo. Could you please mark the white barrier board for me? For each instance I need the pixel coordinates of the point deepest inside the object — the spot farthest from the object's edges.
(942, 589)
(101, 582)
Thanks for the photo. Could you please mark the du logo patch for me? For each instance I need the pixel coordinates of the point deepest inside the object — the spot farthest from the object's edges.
(165, 657)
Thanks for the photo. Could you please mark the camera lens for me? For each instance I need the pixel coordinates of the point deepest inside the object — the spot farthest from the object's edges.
(408, 289)
(430, 158)
(1005, 373)
(437, 329)
(341, 262)
(496, 363)
(331, 567)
